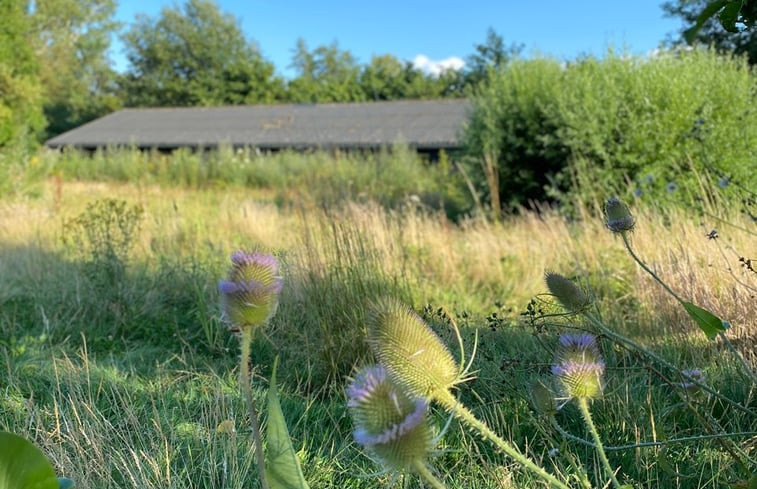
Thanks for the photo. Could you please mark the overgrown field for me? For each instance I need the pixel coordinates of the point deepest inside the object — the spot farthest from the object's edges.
(115, 362)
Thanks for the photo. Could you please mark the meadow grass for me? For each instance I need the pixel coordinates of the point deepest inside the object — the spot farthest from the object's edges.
(125, 384)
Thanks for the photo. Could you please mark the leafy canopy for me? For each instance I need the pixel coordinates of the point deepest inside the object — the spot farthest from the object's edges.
(196, 55)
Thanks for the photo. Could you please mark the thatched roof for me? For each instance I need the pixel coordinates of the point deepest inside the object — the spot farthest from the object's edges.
(421, 124)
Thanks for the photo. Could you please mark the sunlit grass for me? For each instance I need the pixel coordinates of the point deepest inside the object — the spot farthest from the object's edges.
(127, 389)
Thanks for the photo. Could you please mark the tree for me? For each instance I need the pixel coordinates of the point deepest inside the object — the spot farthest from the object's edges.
(387, 78)
(20, 89)
(726, 25)
(327, 74)
(491, 55)
(71, 39)
(383, 78)
(195, 56)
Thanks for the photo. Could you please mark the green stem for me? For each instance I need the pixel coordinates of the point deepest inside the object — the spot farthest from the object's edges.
(647, 269)
(463, 414)
(649, 353)
(245, 380)
(426, 474)
(632, 446)
(747, 369)
(583, 405)
(744, 365)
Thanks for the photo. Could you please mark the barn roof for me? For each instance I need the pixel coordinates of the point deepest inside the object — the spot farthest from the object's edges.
(421, 124)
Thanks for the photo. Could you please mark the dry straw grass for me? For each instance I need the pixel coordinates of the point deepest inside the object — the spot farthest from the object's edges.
(470, 265)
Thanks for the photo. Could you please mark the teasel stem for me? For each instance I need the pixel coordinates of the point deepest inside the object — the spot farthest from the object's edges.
(649, 353)
(647, 269)
(583, 406)
(426, 474)
(448, 401)
(747, 369)
(647, 444)
(246, 381)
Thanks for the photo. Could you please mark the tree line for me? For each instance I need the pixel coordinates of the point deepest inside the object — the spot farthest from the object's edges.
(55, 73)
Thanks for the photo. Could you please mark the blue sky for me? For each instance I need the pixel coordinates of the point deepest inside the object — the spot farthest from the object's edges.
(437, 30)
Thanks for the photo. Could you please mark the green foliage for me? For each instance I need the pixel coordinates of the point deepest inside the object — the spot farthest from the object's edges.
(327, 74)
(710, 324)
(513, 123)
(491, 55)
(194, 56)
(594, 125)
(282, 465)
(23, 466)
(103, 236)
(21, 115)
(393, 177)
(713, 23)
(71, 38)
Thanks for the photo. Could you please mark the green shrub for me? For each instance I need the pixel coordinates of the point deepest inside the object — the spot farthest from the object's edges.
(566, 132)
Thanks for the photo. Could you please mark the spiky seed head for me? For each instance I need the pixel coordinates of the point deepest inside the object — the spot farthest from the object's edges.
(412, 353)
(579, 366)
(617, 216)
(689, 376)
(393, 426)
(250, 294)
(580, 380)
(577, 348)
(568, 293)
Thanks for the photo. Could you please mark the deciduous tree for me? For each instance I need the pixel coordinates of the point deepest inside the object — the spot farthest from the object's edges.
(71, 39)
(705, 22)
(20, 89)
(326, 74)
(196, 55)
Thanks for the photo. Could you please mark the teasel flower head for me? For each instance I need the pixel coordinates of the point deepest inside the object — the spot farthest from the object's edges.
(413, 355)
(567, 292)
(580, 347)
(689, 376)
(390, 424)
(250, 294)
(579, 367)
(617, 216)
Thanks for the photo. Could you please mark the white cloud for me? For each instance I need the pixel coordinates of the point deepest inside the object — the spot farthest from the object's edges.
(435, 68)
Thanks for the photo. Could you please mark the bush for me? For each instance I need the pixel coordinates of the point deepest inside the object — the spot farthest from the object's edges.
(563, 132)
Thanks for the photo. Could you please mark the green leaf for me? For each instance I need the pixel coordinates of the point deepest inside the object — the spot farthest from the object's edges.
(707, 321)
(24, 466)
(712, 8)
(64, 483)
(730, 15)
(282, 467)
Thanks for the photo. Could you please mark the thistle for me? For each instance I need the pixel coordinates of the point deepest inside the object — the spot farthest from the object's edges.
(417, 361)
(249, 298)
(579, 366)
(412, 353)
(390, 424)
(568, 293)
(617, 216)
(250, 294)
